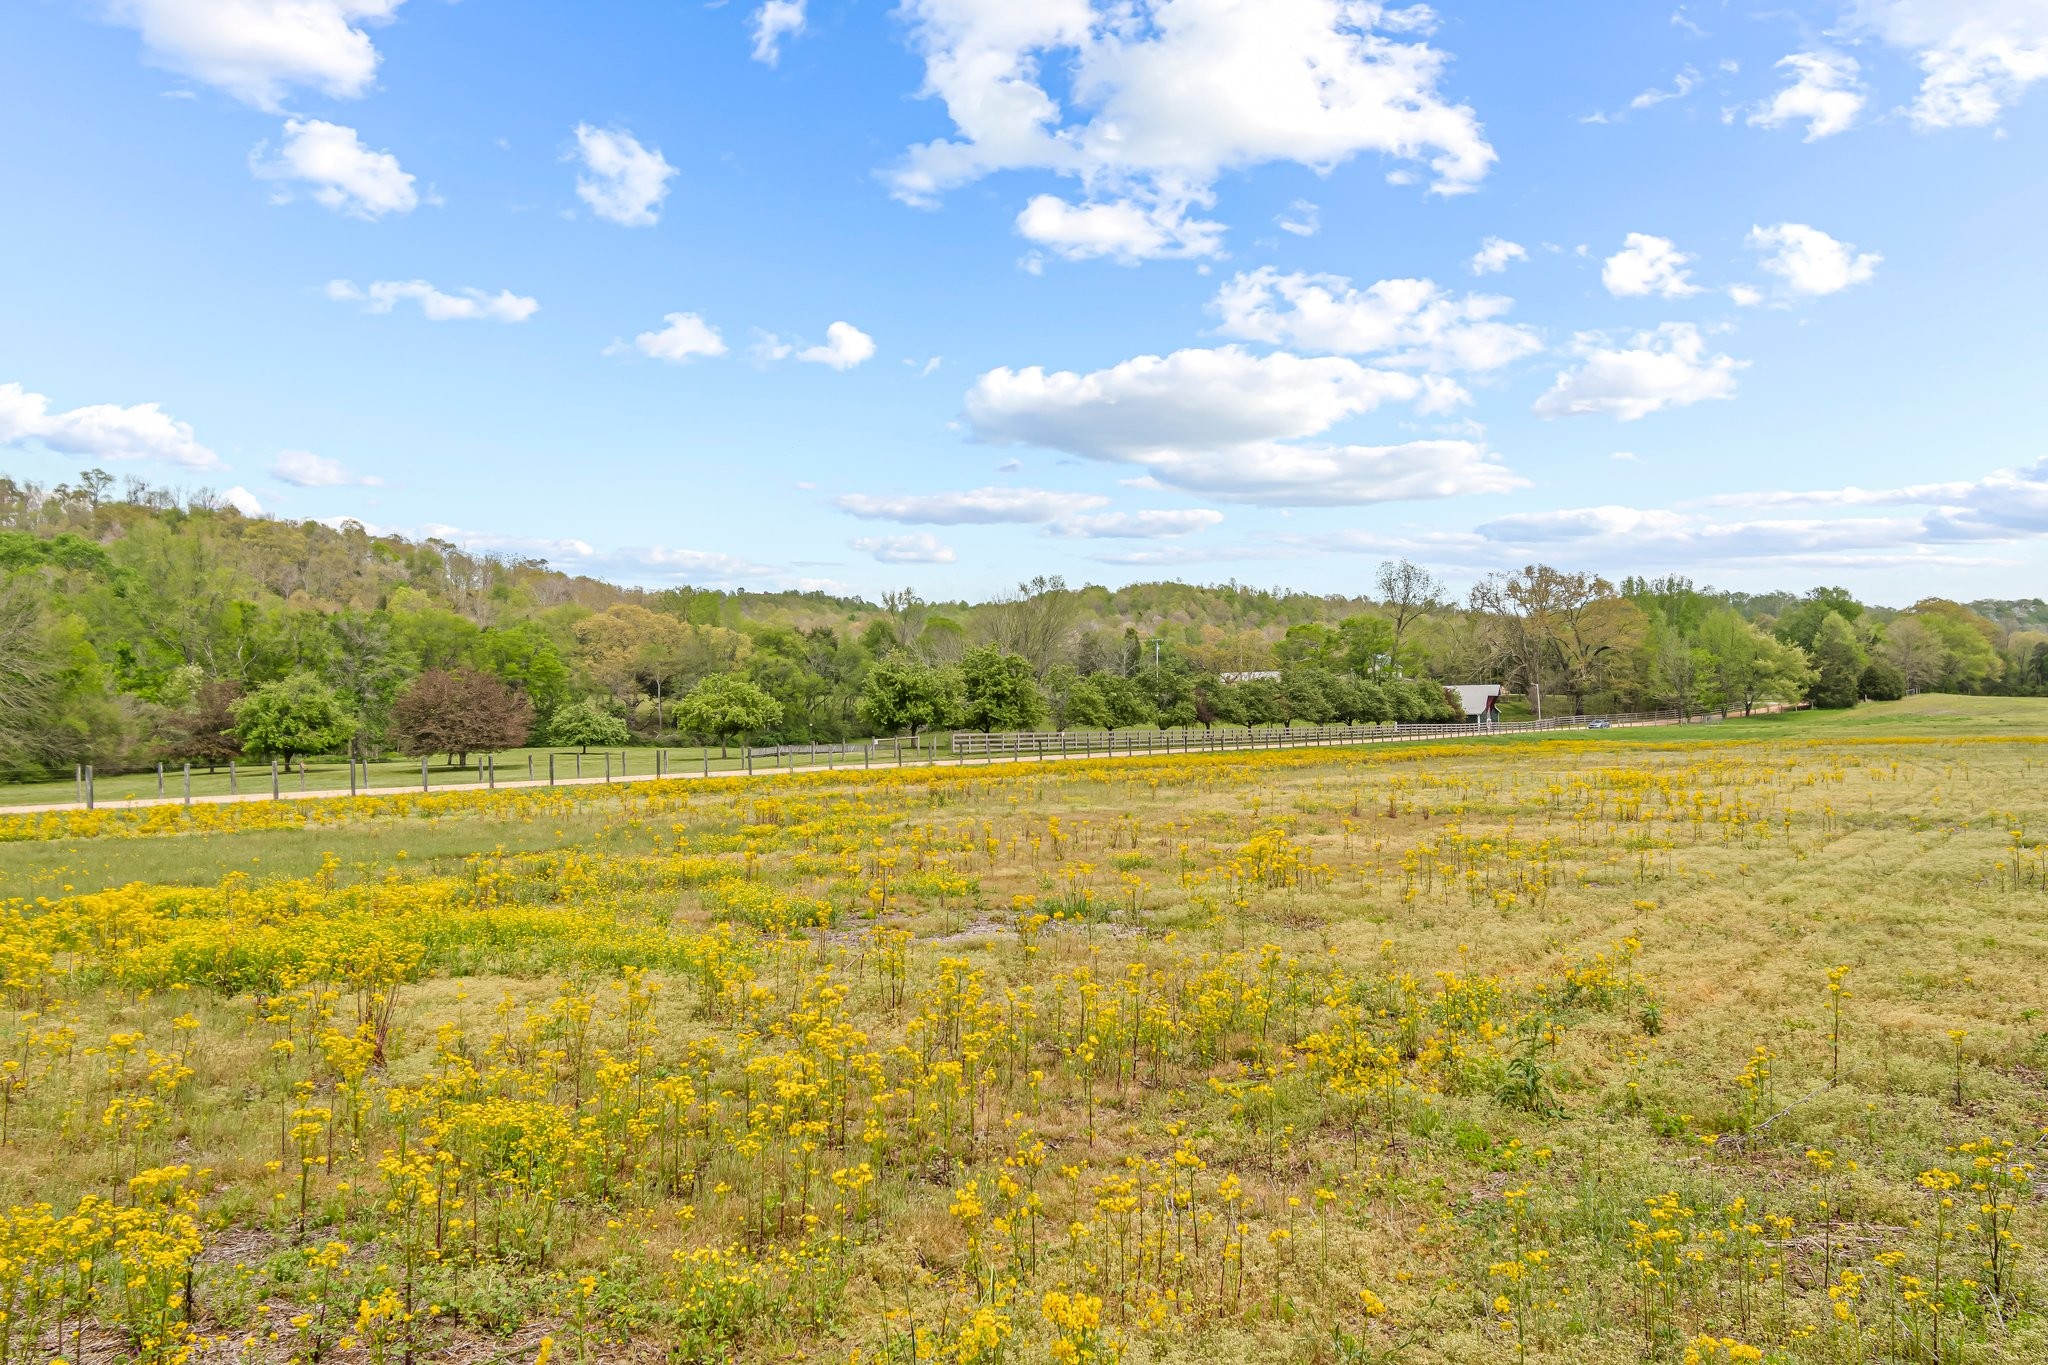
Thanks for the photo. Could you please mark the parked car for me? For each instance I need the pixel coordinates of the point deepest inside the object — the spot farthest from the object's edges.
(1599, 725)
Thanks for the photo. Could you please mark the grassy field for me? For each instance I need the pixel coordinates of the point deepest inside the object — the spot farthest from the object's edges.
(395, 775)
(1715, 1044)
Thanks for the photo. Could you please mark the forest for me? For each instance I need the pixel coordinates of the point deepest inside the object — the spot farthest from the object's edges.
(140, 625)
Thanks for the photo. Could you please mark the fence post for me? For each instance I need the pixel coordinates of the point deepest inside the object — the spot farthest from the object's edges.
(88, 786)
(351, 774)
(704, 754)
(423, 772)
(607, 765)
(233, 786)
(551, 770)
(529, 767)
(159, 780)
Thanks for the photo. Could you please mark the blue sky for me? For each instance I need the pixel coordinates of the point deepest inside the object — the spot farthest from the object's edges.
(853, 294)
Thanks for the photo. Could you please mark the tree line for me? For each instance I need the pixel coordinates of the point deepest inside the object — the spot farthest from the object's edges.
(144, 625)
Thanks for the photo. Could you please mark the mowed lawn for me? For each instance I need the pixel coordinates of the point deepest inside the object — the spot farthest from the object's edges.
(1715, 1043)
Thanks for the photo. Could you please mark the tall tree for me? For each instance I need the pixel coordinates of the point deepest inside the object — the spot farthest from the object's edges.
(205, 731)
(1036, 622)
(903, 693)
(726, 705)
(999, 691)
(1408, 593)
(458, 713)
(294, 716)
(1838, 662)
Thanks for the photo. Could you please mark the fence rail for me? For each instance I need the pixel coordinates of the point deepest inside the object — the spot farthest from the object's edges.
(928, 749)
(1211, 739)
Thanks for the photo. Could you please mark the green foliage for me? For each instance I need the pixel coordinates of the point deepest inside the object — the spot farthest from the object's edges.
(905, 694)
(1838, 662)
(1882, 682)
(1105, 701)
(999, 692)
(584, 723)
(724, 705)
(295, 715)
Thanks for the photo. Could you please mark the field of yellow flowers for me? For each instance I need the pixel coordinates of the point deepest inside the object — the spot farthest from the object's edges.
(1580, 1050)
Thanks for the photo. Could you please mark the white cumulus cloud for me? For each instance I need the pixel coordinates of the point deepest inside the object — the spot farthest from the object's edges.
(1648, 265)
(1495, 254)
(918, 547)
(974, 507)
(623, 182)
(101, 431)
(257, 49)
(1825, 92)
(1810, 262)
(469, 305)
(774, 21)
(1412, 323)
(1233, 425)
(243, 501)
(1124, 230)
(1976, 57)
(1146, 525)
(1665, 368)
(1159, 98)
(682, 338)
(340, 173)
(304, 469)
(845, 346)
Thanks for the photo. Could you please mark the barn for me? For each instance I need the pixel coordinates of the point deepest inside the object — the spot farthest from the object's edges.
(1480, 700)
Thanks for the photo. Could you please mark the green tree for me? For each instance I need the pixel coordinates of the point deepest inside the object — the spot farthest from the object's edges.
(999, 691)
(1749, 666)
(1368, 644)
(584, 723)
(725, 705)
(526, 657)
(1800, 624)
(1882, 682)
(1104, 701)
(295, 715)
(1838, 662)
(904, 694)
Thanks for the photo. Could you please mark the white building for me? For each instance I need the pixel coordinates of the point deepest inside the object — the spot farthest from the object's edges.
(1480, 700)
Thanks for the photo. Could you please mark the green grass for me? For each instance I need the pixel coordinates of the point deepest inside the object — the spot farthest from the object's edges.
(396, 775)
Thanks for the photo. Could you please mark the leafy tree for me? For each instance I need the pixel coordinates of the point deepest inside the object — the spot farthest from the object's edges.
(999, 691)
(1882, 682)
(584, 723)
(28, 680)
(1800, 625)
(1104, 701)
(295, 715)
(1973, 662)
(1749, 666)
(1305, 695)
(1918, 653)
(205, 733)
(725, 705)
(458, 713)
(903, 693)
(1368, 641)
(1681, 672)
(1311, 644)
(526, 657)
(1838, 662)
